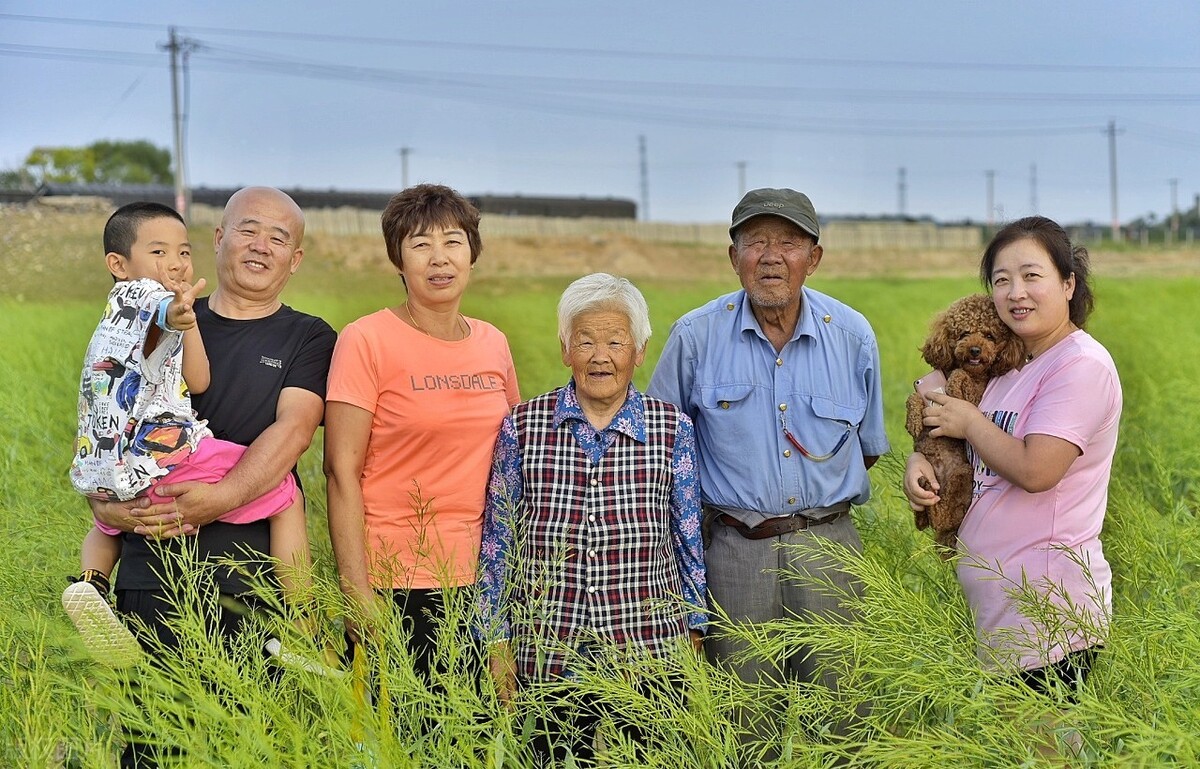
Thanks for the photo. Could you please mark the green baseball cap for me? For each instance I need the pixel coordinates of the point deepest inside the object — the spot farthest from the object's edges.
(791, 205)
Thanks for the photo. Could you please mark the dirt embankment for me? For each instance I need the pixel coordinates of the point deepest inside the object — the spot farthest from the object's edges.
(40, 243)
(621, 255)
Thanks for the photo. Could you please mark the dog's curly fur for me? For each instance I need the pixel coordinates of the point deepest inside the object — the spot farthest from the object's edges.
(970, 345)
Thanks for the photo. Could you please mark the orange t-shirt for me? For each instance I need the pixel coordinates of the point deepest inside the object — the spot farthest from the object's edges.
(437, 408)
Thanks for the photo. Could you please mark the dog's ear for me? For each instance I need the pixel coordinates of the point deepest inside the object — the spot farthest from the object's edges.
(939, 346)
(1012, 352)
(1012, 349)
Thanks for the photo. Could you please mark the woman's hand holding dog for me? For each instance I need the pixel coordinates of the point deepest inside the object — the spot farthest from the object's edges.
(946, 417)
(950, 417)
(919, 469)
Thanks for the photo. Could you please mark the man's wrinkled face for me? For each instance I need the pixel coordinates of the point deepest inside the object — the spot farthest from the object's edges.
(773, 257)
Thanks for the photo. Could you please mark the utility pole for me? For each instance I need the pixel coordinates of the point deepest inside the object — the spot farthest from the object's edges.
(902, 193)
(991, 198)
(1174, 208)
(741, 167)
(645, 177)
(1033, 203)
(404, 151)
(1112, 178)
(180, 48)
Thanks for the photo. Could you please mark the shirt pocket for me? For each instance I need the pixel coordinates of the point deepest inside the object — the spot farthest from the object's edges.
(828, 409)
(824, 427)
(733, 422)
(725, 397)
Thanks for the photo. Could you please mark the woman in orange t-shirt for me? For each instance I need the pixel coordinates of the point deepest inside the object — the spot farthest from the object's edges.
(416, 396)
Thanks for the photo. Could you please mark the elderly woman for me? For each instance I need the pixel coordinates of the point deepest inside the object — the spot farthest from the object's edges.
(416, 396)
(591, 539)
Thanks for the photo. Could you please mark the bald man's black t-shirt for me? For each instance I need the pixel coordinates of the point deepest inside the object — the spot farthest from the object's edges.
(251, 362)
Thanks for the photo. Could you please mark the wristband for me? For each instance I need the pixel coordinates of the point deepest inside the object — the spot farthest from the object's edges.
(162, 315)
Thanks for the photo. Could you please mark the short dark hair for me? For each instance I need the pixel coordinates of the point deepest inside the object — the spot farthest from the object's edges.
(120, 233)
(1068, 259)
(422, 207)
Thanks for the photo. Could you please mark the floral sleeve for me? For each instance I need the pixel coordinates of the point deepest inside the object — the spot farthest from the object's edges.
(685, 524)
(504, 493)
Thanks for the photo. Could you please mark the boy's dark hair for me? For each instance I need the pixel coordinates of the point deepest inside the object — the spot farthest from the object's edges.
(425, 206)
(120, 233)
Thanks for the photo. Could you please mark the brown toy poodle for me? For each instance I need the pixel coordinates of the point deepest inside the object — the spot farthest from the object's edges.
(969, 344)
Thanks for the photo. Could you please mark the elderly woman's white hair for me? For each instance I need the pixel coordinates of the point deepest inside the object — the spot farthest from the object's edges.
(601, 291)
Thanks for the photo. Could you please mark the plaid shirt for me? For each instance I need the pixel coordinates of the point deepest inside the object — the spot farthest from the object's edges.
(591, 539)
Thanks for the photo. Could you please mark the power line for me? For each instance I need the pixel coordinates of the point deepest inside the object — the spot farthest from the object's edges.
(659, 89)
(954, 66)
(218, 57)
(504, 93)
(78, 54)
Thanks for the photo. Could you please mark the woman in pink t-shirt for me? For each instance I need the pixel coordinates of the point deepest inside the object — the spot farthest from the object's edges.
(416, 396)
(1042, 442)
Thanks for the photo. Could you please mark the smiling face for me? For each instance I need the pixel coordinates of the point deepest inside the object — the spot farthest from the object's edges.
(161, 251)
(602, 356)
(258, 244)
(436, 266)
(1029, 294)
(773, 257)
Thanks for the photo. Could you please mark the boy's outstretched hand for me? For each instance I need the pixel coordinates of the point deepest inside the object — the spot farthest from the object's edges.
(181, 314)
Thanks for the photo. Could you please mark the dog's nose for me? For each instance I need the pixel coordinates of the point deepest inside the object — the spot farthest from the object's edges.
(976, 350)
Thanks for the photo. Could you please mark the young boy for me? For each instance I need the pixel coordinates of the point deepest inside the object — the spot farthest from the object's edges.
(136, 424)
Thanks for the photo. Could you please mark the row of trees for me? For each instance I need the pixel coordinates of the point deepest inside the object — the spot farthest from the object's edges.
(101, 162)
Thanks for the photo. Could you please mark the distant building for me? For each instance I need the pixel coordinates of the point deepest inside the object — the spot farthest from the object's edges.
(504, 205)
(568, 208)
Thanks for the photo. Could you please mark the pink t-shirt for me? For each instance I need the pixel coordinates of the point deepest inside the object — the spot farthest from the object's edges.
(437, 408)
(1050, 541)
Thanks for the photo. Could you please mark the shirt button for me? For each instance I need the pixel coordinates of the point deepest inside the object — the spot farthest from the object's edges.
(591, 588)
(791, 500)
(779, 361)
(827, 319)
(783, 407)
(724, 404)
(592, 553)
(787, 452)
(729, 306)
(591, 519)
(595, 482)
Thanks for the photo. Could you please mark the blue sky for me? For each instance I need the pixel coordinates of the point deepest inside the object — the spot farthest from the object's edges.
(538, 98)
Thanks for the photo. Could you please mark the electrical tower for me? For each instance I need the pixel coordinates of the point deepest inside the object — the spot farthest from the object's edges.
(645, 177)
(991, 198)
(902, 193)
(1174, 208)
(1112, 178)
(180, 49)
(404, 152)
(1033, 201)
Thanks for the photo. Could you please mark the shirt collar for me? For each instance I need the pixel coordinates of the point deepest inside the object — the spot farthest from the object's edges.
(630, 420)
(805, 325)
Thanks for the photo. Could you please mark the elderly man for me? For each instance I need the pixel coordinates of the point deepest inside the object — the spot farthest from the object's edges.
(783, 385)
(269, 364)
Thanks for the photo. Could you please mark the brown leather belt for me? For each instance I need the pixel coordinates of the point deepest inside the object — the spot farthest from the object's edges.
(774, 527)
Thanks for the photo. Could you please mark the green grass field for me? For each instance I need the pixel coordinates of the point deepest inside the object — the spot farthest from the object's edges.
(911, 657)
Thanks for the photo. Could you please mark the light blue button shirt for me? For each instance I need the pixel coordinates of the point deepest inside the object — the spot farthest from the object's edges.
(825, 385)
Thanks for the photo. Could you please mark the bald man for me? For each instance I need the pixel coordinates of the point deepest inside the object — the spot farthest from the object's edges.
(269, 364)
